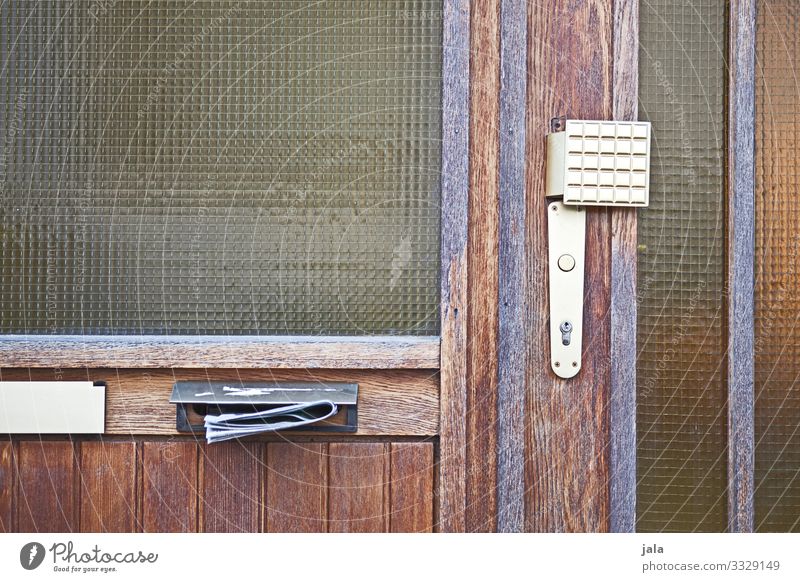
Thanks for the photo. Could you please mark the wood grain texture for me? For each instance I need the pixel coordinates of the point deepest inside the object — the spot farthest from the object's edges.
(482, 268)
(368, 352)
(411, 482)
(455, 194)
(108, 486)
(47, 489)
(7, 488)
(741, 257)
(230, 475)
(169, 486)
(357, 487)
(569, 73)
(390, 402)
(178, 485)
(297, 488)
(624, 240)
(513, 256)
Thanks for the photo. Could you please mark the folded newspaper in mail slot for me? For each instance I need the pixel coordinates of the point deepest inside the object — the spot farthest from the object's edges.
(236, 409)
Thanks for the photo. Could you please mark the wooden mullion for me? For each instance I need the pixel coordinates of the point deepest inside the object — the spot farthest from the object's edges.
(513, 254)
(622, 395)
(482, 324)
(453, 309)
(741, 253)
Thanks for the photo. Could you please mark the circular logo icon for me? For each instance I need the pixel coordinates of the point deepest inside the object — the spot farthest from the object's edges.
(31, 555)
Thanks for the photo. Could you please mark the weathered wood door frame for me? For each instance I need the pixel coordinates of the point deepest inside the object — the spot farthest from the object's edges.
(537, 448)
(542, 454)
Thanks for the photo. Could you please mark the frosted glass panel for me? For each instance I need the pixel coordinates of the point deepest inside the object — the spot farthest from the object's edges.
(216, 166)
(777, 305)
(681, 410)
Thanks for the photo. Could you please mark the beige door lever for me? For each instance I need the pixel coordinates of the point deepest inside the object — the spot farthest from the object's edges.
(589, 163)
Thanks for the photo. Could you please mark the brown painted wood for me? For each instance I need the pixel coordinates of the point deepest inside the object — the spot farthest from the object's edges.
(108, 486)
(231, 487)
(169, 486)
(569, 73)
(622, 391)
(47, 487)
(7, 488)
(297, 487)
(370, 352)
(741, 257)
(482, 268)
(390, 402)
(411, 485)
(513, 257)
(356, 487)
(455, 192)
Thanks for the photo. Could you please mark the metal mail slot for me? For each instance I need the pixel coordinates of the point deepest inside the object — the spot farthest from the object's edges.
(52, 407)
(197, 399)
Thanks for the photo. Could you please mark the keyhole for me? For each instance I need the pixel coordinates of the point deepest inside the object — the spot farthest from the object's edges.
(566, 332)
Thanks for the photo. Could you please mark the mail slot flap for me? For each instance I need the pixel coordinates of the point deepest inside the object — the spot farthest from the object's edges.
(226, 393)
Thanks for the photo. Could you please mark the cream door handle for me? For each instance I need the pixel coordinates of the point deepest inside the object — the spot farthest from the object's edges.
(589, 163)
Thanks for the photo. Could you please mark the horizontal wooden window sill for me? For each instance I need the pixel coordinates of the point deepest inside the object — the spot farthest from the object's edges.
(362, 352)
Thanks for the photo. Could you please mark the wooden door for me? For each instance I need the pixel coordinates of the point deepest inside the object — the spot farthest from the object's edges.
(466, 430)
(234, 191)
(545, 454)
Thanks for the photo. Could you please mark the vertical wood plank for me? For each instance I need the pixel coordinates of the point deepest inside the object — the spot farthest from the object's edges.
(356, 492)
(169, 486)
(296, 487)
(455, 189)
(569, 72)
(6, 486)
(231, 483)
(46, 490)
(741, 253)
(482, 267)
(108, 486)
(622, 391)
(513, 272)
(411, 486)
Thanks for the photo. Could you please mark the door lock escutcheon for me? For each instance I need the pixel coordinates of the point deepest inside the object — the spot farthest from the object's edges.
(589, 163)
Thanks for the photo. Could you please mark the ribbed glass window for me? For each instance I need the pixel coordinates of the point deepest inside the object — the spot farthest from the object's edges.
(777, 292)
(681, 399)
(220, 166)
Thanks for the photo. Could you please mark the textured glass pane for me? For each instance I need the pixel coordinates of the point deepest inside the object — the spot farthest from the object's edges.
(777, 266)
(216, 166)
(681, 410)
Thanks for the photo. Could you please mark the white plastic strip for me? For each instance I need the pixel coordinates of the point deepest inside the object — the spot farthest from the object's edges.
(52, 408)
